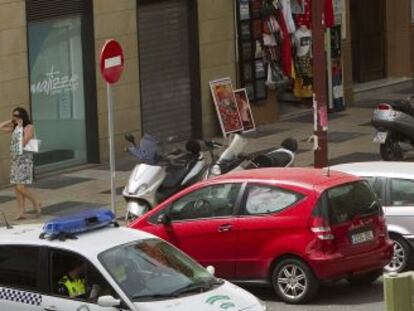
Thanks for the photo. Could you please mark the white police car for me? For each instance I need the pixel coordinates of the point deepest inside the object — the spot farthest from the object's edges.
(67, 266)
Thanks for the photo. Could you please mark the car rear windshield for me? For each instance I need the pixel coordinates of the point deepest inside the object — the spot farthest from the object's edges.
(343, 203)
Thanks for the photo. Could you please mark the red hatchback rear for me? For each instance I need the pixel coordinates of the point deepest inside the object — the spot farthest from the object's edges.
(290, 228)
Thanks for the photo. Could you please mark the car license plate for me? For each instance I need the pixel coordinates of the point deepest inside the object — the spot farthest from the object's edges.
(362, 237)
(380, 137)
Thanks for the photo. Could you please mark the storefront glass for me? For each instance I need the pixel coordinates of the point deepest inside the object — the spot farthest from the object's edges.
(57, 91)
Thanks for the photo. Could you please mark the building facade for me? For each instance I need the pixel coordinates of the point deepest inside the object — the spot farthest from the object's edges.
(49, 52)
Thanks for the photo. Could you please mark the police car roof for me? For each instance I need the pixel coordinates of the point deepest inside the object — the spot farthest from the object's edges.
(87, 244)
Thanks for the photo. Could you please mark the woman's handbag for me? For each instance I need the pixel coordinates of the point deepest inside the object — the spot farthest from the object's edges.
(33, 145)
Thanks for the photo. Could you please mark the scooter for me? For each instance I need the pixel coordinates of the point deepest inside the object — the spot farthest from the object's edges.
(394, 123)
(159, 175)
(233, 158)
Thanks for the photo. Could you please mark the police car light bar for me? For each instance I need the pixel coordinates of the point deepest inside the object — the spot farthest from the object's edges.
(82, 222)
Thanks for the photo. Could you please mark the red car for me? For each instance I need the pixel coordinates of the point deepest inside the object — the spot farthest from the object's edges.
(291, 228)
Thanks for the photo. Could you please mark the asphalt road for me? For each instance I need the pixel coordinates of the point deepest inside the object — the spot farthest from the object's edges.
(340, 296)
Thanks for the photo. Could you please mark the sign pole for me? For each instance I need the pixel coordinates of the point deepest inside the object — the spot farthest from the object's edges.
(111, 144)
(111, 63)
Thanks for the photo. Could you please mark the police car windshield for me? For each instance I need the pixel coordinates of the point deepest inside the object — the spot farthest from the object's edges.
(152, 269)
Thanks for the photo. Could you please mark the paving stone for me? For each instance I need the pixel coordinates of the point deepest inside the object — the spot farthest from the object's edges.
(340, 137)
(123, 165)
(308, 118)
(57, 182)
(69, 207)
(408, 91)
(355, 157)
(118, 191)
(4, 199)
(263, 132)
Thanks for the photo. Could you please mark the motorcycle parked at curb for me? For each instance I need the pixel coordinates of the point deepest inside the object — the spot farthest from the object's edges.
(394, 123)
(233, 158)
(159, 174)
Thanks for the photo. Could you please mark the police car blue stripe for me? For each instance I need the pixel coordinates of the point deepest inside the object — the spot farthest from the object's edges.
(20, 296)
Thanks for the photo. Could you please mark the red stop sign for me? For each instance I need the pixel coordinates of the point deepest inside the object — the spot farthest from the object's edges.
(111, 61)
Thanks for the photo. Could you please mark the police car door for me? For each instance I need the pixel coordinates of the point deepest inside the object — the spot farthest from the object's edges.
(59, 299)
(20, 278)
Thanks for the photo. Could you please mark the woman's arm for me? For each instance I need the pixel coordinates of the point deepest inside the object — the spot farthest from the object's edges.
(27, 134)
(6, 126)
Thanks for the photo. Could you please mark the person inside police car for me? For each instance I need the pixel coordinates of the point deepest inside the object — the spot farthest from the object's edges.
(73, 283)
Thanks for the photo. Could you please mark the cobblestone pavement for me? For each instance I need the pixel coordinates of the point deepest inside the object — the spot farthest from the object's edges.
(338, 297)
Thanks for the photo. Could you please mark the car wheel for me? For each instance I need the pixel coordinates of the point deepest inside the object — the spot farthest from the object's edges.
(391, 150)
(365, 278)
(403, 255)
(294, 282)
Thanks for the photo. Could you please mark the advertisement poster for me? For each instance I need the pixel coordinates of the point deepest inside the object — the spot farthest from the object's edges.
(245, 110)
(226, 106)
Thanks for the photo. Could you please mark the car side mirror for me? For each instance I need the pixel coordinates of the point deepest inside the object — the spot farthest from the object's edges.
(108, 302)
(164, 219)
(211, 270)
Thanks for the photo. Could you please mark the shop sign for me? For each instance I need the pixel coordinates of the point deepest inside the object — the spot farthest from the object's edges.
(55, 83)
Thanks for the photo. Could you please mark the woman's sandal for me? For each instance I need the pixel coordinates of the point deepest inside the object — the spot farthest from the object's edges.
(20, 217)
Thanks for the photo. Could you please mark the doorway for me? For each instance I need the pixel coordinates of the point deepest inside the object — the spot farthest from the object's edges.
(368, 40)
(169, 68)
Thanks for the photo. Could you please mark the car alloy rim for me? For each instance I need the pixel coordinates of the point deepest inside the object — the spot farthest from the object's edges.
(292, 281)
(398, 259)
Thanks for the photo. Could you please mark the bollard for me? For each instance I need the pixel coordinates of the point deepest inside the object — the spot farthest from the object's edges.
(398, 291)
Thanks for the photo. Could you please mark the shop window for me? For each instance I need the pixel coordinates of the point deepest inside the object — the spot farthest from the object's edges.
(252, 66)
(58, 90)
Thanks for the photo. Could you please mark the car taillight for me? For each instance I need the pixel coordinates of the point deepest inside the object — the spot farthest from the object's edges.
(321, 229)
(384, 107)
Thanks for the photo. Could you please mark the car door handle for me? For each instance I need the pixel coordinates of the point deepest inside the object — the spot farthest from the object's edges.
(225, 228)
(51, 308)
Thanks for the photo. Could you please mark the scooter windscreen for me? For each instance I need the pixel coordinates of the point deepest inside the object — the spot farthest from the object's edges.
(148, 150)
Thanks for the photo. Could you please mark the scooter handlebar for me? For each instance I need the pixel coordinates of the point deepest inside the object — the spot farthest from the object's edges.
(212, 144)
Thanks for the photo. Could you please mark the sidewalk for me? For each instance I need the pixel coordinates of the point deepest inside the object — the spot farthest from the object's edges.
(350, 139)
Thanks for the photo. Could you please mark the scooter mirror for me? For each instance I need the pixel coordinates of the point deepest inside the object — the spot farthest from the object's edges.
(130, 138)
(171, 139)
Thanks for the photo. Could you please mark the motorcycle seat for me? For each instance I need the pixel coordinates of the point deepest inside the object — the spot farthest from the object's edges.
(175, 174)
(404, 106)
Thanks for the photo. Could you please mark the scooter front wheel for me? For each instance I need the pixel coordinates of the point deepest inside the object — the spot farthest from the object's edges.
(391, 150)
(135, 210)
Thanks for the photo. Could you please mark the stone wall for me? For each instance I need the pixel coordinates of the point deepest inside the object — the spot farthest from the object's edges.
(217, 54)
(117, 20)
(398, 38)
(14, 77)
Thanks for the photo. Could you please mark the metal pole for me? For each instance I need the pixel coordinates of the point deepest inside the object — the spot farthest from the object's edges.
(111, 144)
(320, 81)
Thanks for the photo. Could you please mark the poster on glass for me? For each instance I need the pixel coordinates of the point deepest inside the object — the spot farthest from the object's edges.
(245, 110)
(226, 106)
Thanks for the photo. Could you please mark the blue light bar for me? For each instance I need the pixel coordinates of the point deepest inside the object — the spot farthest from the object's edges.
(78, 223)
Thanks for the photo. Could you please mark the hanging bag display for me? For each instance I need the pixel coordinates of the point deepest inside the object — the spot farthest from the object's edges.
(33, 145)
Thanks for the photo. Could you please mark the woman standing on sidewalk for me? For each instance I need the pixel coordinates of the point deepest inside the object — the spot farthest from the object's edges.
(21, 172)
